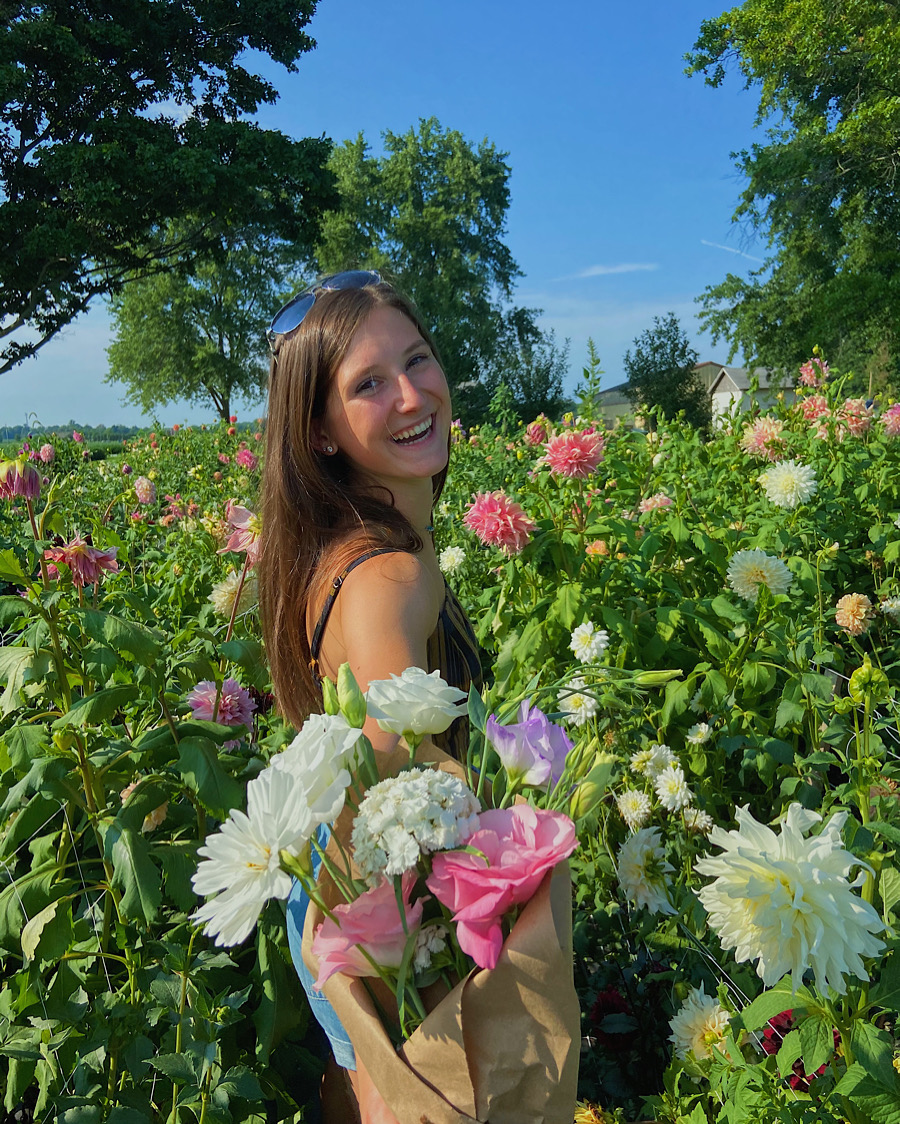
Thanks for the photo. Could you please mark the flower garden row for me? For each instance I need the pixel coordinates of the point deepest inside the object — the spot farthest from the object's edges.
(720, 619)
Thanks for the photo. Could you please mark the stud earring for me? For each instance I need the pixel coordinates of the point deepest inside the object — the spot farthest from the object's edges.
(329, 449)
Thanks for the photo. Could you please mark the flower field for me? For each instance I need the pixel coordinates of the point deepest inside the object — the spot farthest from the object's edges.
(715, 618)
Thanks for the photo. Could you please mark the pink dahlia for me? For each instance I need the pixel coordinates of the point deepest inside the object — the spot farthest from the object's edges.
(814, 407)
(574, 454)
(536, 432)
(19, 478)
(77, 437)
(654, 502)
(85, 562)
(890, 419)
(857, 415)
(853, 613)
(145, 490)
(246, 459)
(762, 438)
(245, 530)
(236, 707)
(47, 453)
(813, 373)
(499, 521)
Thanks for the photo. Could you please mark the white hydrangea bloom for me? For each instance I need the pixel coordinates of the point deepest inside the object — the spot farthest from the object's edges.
(695, 820)
(588, 643)
(634, 808)
(403, 817)
(699, 733)
(430, 940)
(700, 1024)
(786, 902)
(671, 789)
(789, 483)
(451, 559)
(749, 569)
(578, 706)
(641, 869)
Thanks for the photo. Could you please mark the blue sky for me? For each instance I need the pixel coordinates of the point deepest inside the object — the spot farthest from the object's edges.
(622, 183)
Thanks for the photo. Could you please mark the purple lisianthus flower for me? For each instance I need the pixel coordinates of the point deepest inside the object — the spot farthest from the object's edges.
(532, 750)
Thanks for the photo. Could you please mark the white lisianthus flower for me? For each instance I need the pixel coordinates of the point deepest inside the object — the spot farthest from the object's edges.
(587, 643)
(240, 862)
(671, 789)
(415, 813)
(695, 820)
(699, 733)
(891, 607)
(789, 483)
(451, 559)
(634, 808)
(415, 703)
(224, 593)
(318, 761)
(575, 704)
(700, 1024)
(785, 901)
(641, 869)
(749, 569)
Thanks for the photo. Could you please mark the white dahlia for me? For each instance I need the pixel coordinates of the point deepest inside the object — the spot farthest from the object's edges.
(695, 820)
(785, 901)
(641, 869)
(588, 643)
(699, 733)
(699, 1025)
(789, 483)
(224, 593)
(578, 706)
(451, 559)
(671, 789)
(891, 606)
(749, 569)
(634, 807)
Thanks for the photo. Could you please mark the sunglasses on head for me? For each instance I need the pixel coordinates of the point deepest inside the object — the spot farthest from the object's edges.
(291, 316)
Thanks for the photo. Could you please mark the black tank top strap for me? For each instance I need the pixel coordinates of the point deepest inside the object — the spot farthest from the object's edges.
(319, 632)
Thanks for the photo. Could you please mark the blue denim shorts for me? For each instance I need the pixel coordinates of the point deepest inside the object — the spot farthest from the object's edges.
(326, 1016)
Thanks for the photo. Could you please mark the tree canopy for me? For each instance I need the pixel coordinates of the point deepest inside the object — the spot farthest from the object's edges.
(822, 188)
(124, 146)
(431, 213)
(661, 372)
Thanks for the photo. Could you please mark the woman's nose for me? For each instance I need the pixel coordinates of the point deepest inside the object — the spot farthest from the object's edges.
(408, 393)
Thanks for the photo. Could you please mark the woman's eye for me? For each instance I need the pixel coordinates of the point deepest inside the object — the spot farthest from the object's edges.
(366, 384)
(415, 360)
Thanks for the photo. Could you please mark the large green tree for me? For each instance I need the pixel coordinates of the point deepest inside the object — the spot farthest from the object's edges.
(200, 336)
(431, 212)
(661, 373)
(822, 186)
(122, 120)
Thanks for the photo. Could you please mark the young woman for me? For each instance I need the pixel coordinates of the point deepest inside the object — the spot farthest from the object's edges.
(357, 450)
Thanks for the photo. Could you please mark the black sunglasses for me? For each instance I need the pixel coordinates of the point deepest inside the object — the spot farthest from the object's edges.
(291, 316)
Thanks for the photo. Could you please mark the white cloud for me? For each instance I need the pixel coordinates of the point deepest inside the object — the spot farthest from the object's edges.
(606, 270)
(730, 250)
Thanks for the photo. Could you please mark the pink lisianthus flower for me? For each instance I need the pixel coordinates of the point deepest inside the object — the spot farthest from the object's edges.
(890, 419)
(654, 502)
(236, 707)
(246, 459)
(813, 373)
(857, 415)
(47, 453)
(518, 846)
(245, 530)
(574, 454)
(373, 922)
(19, 478)
(85, 562)
(532, 750)
(499, 521)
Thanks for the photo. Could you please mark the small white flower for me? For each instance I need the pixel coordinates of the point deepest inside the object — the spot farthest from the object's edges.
(225, 591)
(700, 1024)
(578, 706)
(661, 757)
(414, 703)
(641, 869)
(430, 940)
(587, 643)
(634, 808)
(695, 703)
(785, 901)
(749, 569)
(445, 509)
(891, 606)
(671, 789)
(699, 733)
(695, 820)
(451, 559)
(638, 762)
(789, 483)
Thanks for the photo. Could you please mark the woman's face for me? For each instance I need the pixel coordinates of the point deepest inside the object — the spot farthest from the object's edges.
(388, 408)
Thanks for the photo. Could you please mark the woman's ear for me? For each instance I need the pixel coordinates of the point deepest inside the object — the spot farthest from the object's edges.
(322, 443)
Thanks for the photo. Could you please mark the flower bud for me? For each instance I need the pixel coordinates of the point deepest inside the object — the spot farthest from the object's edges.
(593, 788)
(655, 678)
(351, 699)
(329, 697)
(869, 682)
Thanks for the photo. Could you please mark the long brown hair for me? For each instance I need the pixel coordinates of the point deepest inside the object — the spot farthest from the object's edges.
(315, 517)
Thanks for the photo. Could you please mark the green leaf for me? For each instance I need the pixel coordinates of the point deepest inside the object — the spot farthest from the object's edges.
(15, 662)
(134, 873)
(757, 677)
(888, 830)
(790, 1051)
(817, 1040)
(886, 993)
(247, 654)
(873, 1048)
(568, 603)
(668, 619)
(477, 712)
(13, 609)
(202, 773)
(889, 887)
(879, 1102)
(31, 934)
(240, 1081)
(98, 707)
(770, 1003)
(177, 1067)
(41, 814)
(281, 1007)
(677, 698)
(789, 713)
(122, 1115)
(11, 569)
(144, 644)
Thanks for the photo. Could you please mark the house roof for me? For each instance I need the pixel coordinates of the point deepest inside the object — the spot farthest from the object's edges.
(740, 378)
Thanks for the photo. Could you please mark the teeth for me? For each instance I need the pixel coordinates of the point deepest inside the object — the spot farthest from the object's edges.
(414, 431)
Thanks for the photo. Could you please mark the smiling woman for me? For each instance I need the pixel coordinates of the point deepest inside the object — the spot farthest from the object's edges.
(358, 445)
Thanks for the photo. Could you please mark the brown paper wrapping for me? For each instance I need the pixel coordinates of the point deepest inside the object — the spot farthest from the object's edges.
(502, 1047)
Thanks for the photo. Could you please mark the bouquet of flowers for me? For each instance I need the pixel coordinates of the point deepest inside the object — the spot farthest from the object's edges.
(440, 924)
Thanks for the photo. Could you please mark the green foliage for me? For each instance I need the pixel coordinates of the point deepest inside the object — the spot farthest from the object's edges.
(821, 188)
(123, 118)
(661, 373)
